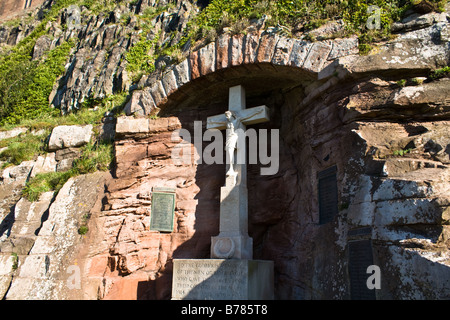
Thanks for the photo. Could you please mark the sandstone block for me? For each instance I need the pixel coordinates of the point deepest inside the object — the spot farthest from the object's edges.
(418, 21)
(195, 65)
(164, 124)
(328, 30)
(12, 133)
(283, 51)
(391, 189)
(266, 47)
(158, 93)
(317, 56)
(207, 59)
(27, 215)
(43, 44)
(131, 152)
(169, 82)
(222, 51)
(182, 73)
(69, 153)
(236, 50)
(69, 136)
(408, 212)
(20, 172)
(64, 165)
(251, 44)
(300, 50)
(141, 103)
(343, 47)
(130, 125)
(44, 164)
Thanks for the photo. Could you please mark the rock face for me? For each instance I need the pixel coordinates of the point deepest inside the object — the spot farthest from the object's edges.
(363, 176)
(43, 240)
(136, 262)
(387, 144)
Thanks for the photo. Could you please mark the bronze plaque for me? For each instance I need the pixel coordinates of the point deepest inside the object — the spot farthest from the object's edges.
(163, 208)
(328, 195)
(359, 259)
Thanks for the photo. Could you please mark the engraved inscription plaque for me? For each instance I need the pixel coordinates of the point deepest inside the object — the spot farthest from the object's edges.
(328, 195)
(222, 279)
(163, 207)
(214, 279)
(360, 258)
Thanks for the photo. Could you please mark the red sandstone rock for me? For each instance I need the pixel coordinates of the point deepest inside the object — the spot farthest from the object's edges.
(207, 59)
(222, 51)
(194, 65)
(266, 47)
(251, 44)
(237, 49)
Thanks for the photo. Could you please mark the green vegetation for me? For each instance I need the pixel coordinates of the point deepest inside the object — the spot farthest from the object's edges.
(28, 146)
(401, 83)
(25, 85)
(44, 182)
(22, 148)
(15, 258)
(96, 156)
(440, 73)
(83, 229)
(142, 56)
(304, 15)
(401, 152)
(417, 81)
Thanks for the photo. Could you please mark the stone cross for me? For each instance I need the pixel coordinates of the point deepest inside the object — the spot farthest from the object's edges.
(233, 240)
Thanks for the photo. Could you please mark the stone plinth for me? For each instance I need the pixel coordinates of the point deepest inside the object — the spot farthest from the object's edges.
(233, 240)
(222, 279)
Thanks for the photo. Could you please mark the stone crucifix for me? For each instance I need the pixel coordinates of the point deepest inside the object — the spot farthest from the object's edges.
(233, 240)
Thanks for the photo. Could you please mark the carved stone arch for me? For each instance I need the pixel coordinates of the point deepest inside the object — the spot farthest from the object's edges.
(259, 61)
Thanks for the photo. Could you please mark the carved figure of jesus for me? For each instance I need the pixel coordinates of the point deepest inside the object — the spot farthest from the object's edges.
(235, 120)
(234, 123)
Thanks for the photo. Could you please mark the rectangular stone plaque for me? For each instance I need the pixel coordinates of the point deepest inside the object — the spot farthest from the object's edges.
(360, 258)
(163, 208)
(328, 195)
(222, 279)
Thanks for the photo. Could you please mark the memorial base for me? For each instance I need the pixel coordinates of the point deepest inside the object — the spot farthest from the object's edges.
(222, 279)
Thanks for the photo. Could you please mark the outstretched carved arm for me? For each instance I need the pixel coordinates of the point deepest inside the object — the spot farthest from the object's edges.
(257, 111)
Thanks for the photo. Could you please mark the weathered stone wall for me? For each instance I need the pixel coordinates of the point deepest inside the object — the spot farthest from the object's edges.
(401, 199)
(388, 139)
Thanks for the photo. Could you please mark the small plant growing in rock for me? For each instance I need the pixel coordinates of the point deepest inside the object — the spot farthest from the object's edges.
(440, 73)
(401, 83)
(83, 230)
(418, 81)
(401, 152)
(15, 261)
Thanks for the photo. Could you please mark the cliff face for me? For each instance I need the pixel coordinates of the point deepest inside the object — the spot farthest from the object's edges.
(97, 65)
(377, 125)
